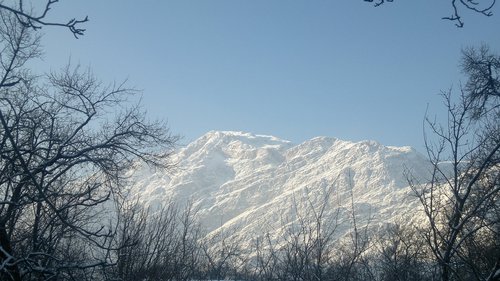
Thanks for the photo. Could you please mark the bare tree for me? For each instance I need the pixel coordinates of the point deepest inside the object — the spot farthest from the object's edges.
(308, 247)
(65, 143)
(265, 264)
(461, 200)
(350, 262)
(483, 86)
(222, 254)
(304, 247)
(400, 255)
(160, 244)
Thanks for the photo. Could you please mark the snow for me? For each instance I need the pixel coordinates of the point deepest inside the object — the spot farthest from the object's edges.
(249, 182)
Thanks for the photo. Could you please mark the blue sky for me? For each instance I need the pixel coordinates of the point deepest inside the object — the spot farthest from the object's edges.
(289, 68)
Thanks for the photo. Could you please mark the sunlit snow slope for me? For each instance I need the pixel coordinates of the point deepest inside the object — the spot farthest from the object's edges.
(251, 181)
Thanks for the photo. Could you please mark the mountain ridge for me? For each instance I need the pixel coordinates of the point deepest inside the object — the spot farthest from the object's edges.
(250, 182)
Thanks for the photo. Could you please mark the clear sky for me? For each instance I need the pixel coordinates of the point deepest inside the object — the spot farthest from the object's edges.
(289, 68)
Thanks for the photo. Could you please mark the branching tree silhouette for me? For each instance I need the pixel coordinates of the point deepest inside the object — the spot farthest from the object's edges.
(28, 17)
(158, 244)
(66, 141)
(482, 7)
(461, 201)
(401, 255)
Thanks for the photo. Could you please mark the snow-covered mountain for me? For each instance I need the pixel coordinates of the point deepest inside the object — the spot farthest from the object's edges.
(257, 183)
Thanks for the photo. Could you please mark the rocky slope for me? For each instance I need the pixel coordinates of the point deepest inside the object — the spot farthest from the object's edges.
(257, 184)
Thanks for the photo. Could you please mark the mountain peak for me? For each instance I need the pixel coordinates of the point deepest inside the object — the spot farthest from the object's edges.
(241, 179)
(239, 134)
(223, 138)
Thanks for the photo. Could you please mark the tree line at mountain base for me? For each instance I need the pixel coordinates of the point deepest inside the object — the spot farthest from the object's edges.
(307, 247)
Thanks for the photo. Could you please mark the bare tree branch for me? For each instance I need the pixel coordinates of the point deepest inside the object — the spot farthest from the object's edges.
(37, 21)
(482, 7)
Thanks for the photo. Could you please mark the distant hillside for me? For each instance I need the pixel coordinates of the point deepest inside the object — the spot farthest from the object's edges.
(257, 184)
